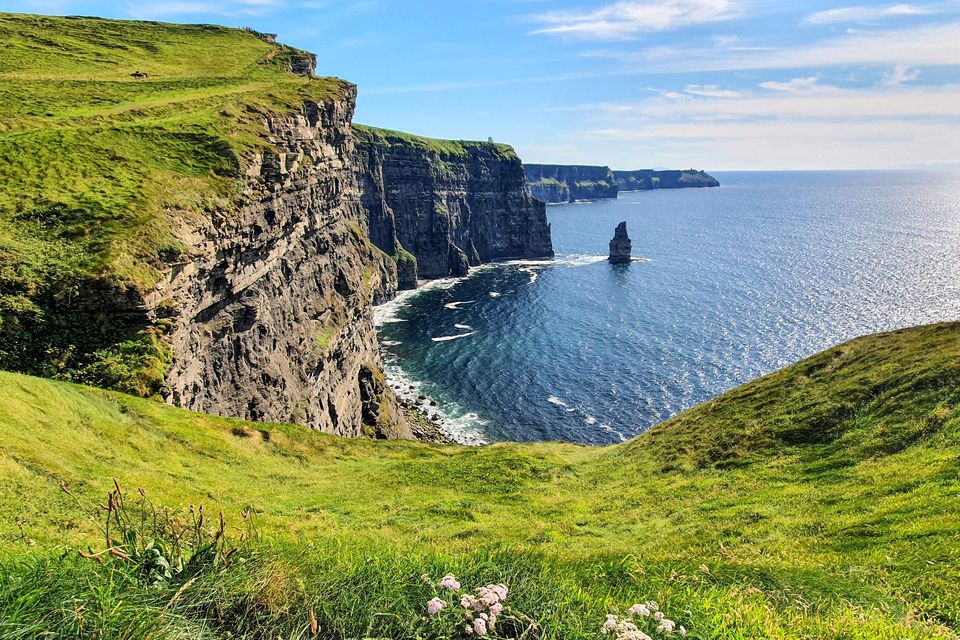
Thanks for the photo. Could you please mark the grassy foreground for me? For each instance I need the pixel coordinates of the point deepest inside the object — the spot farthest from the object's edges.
(822, 501)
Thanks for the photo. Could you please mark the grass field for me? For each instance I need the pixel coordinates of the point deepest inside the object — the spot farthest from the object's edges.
(97, 167)
(822, 501)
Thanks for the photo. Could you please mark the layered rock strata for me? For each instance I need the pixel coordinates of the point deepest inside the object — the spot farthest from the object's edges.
(439, 207)
(271, 310)
(555, 183)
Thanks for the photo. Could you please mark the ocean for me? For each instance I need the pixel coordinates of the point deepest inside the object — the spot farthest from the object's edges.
(728, 284)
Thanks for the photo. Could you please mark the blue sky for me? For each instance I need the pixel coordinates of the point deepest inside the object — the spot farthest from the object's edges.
(718, 84)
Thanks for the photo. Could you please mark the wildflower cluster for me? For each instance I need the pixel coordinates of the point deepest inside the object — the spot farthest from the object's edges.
(642, 622)
(478, 613)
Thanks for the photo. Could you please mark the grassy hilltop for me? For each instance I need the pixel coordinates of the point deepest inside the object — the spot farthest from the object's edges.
(97, 167)
(822, 501)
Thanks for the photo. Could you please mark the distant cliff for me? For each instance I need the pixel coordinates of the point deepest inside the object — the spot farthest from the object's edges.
(556, 183)
(569, 183)
(438, 207)
(648, 179)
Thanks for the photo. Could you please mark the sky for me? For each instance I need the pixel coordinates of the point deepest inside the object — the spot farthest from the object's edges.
(713, 84)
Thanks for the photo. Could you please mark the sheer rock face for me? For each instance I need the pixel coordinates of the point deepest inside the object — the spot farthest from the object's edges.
(272, 307)
(569, 183)
(648, 179)
(440, 211)
(620, 245)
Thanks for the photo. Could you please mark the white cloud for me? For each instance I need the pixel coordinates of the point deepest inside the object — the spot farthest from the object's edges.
(818, 127)
(899, 75)
(795, 85)
(821, 102)
(855, 144)
(627, 18)
(929, 45)
(710, 91)
(864, 13)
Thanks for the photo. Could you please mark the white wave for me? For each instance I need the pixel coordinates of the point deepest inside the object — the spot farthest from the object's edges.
(390, 343)
(530, 263)
(581, 260)
(388, 312)
(466, 429)
(494, 294)
(610, 429)
(533, 274)
(456, 337)
(465, 327)
(557, 401)
(591, 420)
(456, 305)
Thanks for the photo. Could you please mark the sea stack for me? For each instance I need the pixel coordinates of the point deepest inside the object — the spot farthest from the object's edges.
(620, 245)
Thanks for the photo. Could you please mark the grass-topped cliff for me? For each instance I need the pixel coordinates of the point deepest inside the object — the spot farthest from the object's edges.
(98, 164)
(822, 501)
(442, 148)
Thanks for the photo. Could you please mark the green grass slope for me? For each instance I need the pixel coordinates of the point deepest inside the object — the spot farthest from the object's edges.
(822, 501)
(96, 167)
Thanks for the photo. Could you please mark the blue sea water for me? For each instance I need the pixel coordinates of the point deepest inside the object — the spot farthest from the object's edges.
(734, 283)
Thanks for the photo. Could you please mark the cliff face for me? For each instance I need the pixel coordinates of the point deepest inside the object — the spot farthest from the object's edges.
(647, 179)
(568, 183)
(272, 311)
(211, 250)
(439, 207)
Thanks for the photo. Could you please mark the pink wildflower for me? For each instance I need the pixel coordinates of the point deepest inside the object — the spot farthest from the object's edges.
(666, 626)
(480, 627)
(435, 606)
(610, 625)
(449, 583)
(682, 630)
(496, 609)
(640, 610)
(488, 596)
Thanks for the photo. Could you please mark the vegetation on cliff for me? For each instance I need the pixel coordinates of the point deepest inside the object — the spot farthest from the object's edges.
(442, 148)
(820, 501)
(110, 132)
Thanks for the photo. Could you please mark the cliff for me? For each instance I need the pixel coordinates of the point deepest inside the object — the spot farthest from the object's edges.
(212, 248)
(439, 207)
(274, 309)
(648, 179)
(203, 247)
(568, 183)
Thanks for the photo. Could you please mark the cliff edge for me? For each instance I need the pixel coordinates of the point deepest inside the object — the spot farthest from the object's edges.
(439, 207)
(556, 183)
